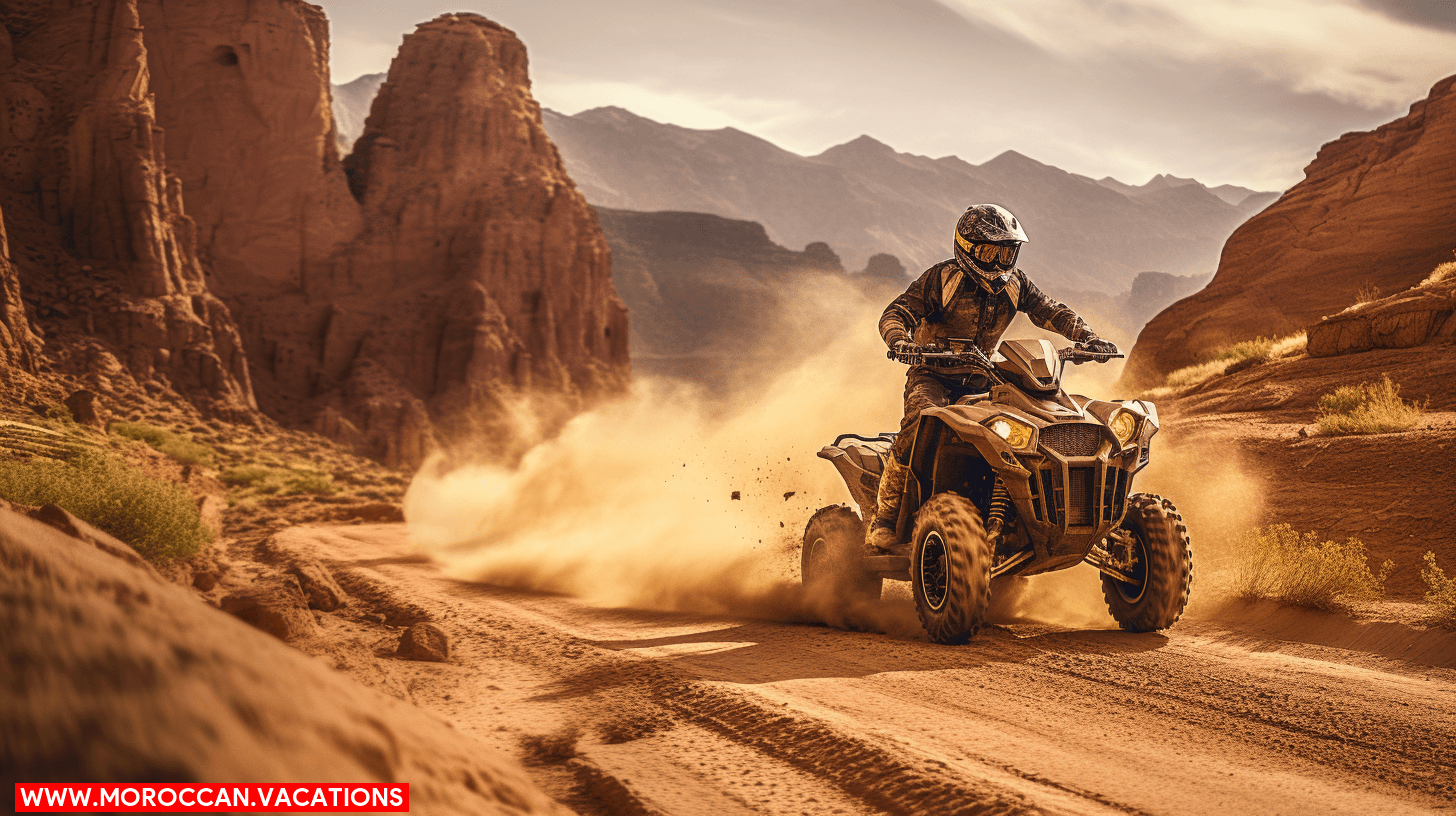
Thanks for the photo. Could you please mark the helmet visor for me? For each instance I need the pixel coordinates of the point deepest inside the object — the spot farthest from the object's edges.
(1001, 255)
(996, 254)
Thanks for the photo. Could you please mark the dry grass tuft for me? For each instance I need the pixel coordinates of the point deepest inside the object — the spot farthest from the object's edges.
(1195, 374)
(179, 447)
(1368, 293)
(1440, 592)
(1291, 346)
(1230, 359)
(1298, 569)
(1442, 272)
(1368, 408)
(160, 521)
(284, 481)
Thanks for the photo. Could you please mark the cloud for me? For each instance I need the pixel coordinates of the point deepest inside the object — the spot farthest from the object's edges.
(1439, 14)
(1346, 51)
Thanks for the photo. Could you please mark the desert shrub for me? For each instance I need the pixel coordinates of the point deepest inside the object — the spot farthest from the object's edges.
(1290, 346)
(1369, 292)
(175, 445)
(1442, 272)
(1230, 359)
(1440, 591)
(1368, 408)
(1247, 349)
(1298, 569)
(285, 481)
(160, 521)
(1195, 374)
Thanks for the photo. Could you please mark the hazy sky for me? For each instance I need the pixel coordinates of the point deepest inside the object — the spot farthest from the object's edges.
(1227, 91)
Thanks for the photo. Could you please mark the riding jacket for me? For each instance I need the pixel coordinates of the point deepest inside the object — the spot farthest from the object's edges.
(947, 302)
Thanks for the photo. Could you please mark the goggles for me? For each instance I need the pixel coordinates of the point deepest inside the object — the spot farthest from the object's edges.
(1003, 255)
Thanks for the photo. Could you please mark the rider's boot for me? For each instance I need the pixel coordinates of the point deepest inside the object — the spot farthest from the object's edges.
(880, 536)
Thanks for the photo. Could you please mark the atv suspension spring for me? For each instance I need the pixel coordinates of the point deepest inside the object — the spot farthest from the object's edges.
(1000, 506)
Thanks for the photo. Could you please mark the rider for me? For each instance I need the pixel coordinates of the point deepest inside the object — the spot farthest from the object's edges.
(974, 295)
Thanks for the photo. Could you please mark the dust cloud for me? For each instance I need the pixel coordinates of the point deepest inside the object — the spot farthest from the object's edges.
(632, 504)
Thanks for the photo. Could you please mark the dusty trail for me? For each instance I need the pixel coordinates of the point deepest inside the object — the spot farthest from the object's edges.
(678, 713)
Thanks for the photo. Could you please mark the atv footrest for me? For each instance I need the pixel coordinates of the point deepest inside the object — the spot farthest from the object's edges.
(888, 566)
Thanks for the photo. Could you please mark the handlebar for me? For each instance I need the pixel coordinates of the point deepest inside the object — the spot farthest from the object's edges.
(969, 354)
(1077, 355)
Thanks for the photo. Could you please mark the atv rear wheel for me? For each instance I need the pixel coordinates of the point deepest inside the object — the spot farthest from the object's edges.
(832, 559)
(950, 568)
(1162, 568)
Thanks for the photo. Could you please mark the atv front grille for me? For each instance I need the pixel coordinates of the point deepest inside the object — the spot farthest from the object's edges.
(1114, 494)
(1081, 497)
(1079, 439)
(1056, 494)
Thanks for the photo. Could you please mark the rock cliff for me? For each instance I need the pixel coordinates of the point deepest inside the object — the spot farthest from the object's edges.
(461, 274)
(1404, 320)
(98, 235)
(1374, 209)
(464, 272)
(481, 273)
(19, 347)
(242, 91)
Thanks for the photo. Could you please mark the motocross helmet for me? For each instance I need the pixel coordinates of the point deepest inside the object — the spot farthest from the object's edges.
(987, 240)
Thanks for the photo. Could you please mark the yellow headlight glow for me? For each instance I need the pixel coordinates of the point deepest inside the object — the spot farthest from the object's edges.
(1123, 425)
(1017, 434)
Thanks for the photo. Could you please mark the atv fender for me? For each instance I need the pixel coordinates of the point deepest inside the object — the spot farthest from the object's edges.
(965, 421)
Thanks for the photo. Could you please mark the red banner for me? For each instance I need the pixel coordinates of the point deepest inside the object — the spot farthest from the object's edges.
(210, 798)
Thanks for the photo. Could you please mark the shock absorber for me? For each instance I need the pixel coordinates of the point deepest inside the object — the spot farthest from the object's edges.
(1000, 506)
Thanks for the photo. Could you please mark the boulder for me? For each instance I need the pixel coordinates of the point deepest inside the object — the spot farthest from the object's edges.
(86, 408)
(424, 641)
(1404, 320)
(274, 604)
(319, 586)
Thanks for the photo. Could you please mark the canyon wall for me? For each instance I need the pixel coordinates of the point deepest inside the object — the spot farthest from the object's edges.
(481, 274)
(98, 235)
(1375, 209)
(451, 286)
(451, 278)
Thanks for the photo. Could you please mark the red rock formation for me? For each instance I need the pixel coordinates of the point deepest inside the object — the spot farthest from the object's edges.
(480, 275)
(467, 274)
(1376, 208)
(19, 348)
(242, 91)
(84, 168)
(1405, 320)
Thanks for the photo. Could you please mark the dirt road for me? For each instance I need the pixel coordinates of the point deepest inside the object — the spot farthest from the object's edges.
(627, 711)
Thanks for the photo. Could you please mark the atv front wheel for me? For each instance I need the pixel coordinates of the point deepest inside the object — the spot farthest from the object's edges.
(950, 568)
(1162, 567)
(832, 559)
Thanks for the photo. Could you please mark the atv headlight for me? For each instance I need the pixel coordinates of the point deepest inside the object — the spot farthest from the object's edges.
(1016, 433)
(1123, 426)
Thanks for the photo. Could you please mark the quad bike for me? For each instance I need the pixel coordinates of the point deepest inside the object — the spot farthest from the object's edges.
(1018, 480)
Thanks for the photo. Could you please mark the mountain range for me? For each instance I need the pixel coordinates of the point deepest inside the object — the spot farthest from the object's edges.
(864, 198)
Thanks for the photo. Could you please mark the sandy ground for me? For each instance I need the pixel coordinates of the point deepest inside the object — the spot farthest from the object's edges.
(628, 711)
